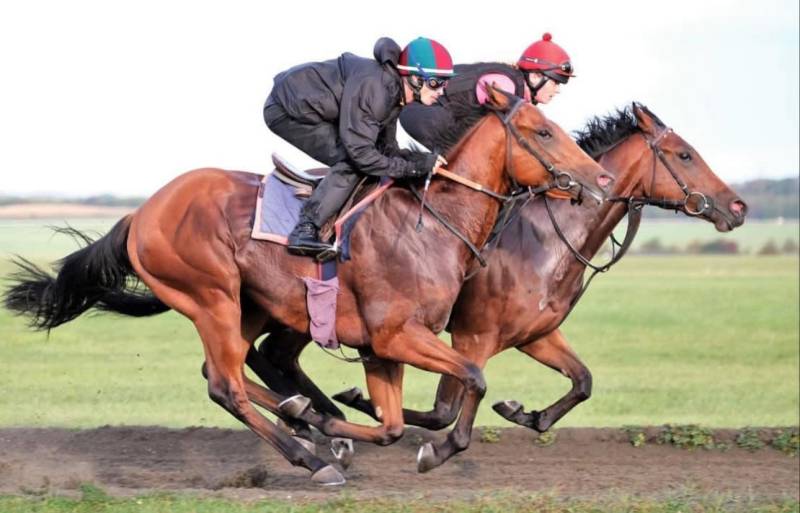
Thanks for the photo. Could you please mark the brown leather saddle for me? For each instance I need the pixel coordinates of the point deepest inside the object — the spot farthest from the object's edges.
(302, 181)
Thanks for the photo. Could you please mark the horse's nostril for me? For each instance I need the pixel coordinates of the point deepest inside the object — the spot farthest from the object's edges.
(604, 181)
(738, 208)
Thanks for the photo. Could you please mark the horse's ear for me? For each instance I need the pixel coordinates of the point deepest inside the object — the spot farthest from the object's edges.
(646, 122)
(496, 98)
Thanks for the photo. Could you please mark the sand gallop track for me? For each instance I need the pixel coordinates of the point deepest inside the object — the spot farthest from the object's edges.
(583, 463)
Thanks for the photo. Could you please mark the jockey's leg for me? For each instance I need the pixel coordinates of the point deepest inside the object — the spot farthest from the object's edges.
(326, 200)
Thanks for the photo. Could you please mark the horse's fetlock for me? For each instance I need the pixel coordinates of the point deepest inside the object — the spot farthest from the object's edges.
(391, 434)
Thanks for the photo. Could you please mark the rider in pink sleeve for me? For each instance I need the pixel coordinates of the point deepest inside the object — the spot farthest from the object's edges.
(537, 77)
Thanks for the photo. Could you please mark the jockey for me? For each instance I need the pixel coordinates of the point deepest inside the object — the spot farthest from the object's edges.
(343, 112)
(536, 77)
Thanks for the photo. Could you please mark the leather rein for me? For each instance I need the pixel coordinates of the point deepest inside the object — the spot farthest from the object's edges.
(561, 180)
(635, 206)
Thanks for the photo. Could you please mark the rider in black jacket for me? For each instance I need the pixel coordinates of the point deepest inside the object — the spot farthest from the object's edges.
(343, 112)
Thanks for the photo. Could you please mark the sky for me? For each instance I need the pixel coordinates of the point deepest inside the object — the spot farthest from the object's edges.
(120, 97)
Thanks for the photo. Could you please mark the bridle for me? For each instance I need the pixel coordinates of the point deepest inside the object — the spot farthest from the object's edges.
(508, 202)
(635, 205)
(684, 205)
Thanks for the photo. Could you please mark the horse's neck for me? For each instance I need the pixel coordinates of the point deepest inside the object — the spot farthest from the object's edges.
(588, 227)
(481, 159)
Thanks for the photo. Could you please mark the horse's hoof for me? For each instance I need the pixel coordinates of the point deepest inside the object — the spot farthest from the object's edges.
(426, 458)
(507, 409)
(294, 406)
(349, 396)
(307, 444)
(328, 476)
(342, 449)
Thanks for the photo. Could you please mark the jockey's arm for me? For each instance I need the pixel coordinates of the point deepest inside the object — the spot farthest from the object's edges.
(364, 107)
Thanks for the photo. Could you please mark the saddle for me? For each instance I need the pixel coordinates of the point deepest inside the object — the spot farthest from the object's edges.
(287, 188)
(303, 182)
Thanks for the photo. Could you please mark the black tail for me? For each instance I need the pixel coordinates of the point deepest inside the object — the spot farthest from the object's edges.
(98, 275)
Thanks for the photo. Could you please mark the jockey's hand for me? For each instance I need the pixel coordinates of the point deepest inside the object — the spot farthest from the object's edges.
(425, 163)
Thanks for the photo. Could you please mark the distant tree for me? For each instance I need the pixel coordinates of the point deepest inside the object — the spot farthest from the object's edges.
(713, 247)
(769, 248)
(790, 247)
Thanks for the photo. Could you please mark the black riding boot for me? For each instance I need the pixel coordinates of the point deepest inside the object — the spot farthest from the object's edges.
(304, 239)
(325, 202)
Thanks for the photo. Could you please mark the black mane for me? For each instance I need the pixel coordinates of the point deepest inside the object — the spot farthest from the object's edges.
(602, 133)
(465, 116)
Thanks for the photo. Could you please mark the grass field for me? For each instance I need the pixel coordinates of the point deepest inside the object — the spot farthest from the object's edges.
(710, 340)
(95, 501)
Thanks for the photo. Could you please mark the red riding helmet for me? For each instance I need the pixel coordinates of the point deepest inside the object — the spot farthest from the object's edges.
(547, 58)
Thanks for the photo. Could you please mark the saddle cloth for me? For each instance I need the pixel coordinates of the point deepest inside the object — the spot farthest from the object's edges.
(281, 195)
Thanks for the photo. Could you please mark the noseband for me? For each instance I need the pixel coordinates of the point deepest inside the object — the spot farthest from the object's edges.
(561, 179)
(705, 203)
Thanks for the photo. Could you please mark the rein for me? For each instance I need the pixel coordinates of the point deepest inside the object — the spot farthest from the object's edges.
(561, 180)
(635, 206)
(705, 203)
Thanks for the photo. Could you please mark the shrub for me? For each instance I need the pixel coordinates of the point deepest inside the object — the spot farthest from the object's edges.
(787, 441)
(636, 435)
(546, 439)
(489, 435)
(690, 436)
(748, 438)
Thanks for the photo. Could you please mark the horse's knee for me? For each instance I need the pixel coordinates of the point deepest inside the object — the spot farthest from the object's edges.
(221, 392)
(584, 384)
(474, 380)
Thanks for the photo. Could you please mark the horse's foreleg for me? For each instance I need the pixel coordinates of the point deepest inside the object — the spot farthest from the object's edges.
(417, 345)
(553, 351)
(446, 405)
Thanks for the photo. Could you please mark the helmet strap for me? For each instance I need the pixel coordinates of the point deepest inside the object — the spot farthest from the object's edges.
(535, 88)
(415, 88)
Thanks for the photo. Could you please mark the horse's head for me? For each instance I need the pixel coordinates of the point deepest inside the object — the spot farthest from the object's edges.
(539, 152)
(681, 179)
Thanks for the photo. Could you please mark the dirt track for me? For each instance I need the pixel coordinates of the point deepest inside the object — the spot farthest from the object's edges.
(583, 463)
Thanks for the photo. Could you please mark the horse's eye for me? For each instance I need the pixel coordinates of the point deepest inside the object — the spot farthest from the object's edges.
(544, 133)
(685, 156)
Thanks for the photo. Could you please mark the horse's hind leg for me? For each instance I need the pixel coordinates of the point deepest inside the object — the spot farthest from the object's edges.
(209, 297)
(225, 352)
(282, 349)
(446, 405)
(553, 351)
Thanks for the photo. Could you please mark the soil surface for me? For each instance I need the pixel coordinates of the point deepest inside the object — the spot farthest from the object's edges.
(582, 463)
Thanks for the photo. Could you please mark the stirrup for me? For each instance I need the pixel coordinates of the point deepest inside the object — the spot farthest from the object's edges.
(328, 253)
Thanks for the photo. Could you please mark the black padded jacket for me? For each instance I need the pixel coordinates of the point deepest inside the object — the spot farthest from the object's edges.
(363, 97)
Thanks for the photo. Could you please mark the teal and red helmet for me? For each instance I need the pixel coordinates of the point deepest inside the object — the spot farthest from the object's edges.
(425, 58)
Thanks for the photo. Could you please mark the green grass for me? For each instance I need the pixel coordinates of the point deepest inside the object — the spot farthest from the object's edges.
(95, 501)
(682, 340)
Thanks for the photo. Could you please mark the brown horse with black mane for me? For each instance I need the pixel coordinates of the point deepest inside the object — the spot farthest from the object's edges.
(534, 276)
(190, 245)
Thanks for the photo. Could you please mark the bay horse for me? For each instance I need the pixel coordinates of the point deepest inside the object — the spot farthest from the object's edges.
(190, 245)
(536, 272)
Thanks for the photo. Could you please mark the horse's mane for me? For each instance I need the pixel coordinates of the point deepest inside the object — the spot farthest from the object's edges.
(602, 133)
(465, 116)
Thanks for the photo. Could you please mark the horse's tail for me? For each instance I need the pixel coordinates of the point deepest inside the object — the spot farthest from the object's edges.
(98, 275)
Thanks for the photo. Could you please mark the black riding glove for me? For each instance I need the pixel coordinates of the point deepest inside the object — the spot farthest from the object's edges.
(423, 164)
